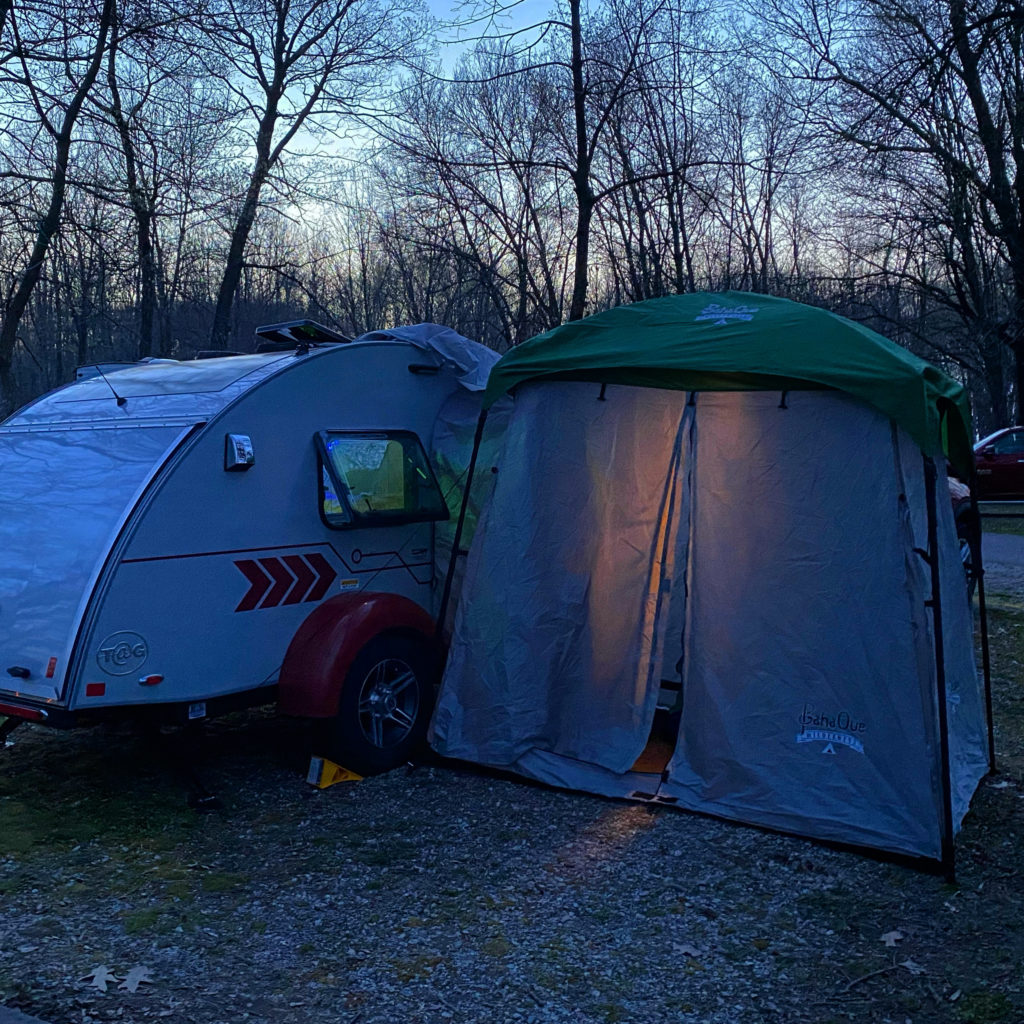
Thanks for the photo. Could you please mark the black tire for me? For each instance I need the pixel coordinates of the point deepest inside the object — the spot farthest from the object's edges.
(385, 706)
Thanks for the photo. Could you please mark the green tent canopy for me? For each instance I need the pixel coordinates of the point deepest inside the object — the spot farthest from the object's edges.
(739, 341)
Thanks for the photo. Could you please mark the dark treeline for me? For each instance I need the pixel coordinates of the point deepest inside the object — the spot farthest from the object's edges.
(172, 175)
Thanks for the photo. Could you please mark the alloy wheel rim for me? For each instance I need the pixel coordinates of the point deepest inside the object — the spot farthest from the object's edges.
(388, 702)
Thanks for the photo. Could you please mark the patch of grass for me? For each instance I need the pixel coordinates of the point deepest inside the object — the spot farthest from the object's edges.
(75, 787)
(136, 921)
(984, 1008)
(546, 981)
(15, 883)
(416, 967)
(1011, 524)
(222, 881)
(496, 946)
(44, 928)
(180, 889)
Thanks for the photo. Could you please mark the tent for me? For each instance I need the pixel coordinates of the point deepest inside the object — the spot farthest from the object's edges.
(735, 505)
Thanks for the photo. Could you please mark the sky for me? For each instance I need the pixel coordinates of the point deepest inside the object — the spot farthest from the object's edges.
(476, 22)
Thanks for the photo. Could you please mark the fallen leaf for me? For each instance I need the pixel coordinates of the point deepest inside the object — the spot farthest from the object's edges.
(955, 996)
(100, 977)
(891, 938)
(914, 968)
(685, 949)
(137, 976)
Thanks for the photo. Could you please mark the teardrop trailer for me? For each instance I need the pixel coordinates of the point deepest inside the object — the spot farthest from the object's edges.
(180, 539)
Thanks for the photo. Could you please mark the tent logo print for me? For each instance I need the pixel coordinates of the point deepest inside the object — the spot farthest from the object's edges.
(830, 738)
(830, 730)
(719, 315)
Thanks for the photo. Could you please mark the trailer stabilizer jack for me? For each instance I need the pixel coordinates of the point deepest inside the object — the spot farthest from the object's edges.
(324, 772)
(7, 726)
(183, 751)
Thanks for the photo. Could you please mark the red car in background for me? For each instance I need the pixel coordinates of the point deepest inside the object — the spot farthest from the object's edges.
(999, 465)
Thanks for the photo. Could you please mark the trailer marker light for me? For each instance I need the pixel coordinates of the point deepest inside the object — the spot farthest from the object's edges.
(15, 711)
(150, 680)
(51, 667)
(95, 689)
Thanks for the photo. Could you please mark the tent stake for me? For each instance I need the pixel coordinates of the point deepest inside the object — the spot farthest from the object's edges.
(450, 574)
(948, 852)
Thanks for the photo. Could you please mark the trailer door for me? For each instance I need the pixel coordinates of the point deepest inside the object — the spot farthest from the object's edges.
(64, 498)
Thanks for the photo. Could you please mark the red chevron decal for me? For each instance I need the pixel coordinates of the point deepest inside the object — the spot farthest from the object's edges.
(327, 575)
(292, 579)
(258, 584)
(283, 581)
(304, 578)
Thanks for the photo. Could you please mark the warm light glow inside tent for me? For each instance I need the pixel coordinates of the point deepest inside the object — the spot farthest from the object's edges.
(732, 508)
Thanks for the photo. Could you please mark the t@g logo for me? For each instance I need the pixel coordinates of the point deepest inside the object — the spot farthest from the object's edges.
(122, 653)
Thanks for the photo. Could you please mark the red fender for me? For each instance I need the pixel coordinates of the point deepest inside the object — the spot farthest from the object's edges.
(327, 642)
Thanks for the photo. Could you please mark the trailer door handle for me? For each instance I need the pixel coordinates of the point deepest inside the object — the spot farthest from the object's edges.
(19, 672)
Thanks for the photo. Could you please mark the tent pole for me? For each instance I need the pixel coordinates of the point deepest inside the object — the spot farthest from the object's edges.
(986, 659)
(948, 852)
(450, 574)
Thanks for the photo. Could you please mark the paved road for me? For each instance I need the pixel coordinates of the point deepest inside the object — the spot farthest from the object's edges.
(1006, 548)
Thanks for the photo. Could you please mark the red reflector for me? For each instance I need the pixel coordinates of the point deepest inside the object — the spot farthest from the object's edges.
(51, 668)
(15, 712)
(95, 689)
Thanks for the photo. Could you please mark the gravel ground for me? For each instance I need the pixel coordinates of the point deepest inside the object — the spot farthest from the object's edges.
(444, 894)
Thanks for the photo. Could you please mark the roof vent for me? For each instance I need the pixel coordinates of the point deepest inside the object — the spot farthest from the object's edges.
(293, 333)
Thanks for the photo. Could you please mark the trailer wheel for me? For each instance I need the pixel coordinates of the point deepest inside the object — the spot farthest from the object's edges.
(385, 705)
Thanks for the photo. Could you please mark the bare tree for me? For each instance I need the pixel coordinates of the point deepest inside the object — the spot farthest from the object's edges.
(932, 94)
(60, 50)
(294, 66)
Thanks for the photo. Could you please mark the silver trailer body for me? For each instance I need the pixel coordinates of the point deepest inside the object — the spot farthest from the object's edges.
(143, 562)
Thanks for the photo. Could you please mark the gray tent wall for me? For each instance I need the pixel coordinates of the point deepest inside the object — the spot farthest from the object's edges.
(764, 551)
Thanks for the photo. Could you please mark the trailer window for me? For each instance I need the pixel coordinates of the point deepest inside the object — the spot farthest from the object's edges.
(375, 479)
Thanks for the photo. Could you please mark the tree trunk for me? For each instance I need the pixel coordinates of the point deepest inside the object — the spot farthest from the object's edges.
(581, 175)
(220, 332)
(141, 210)
(50, 221)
